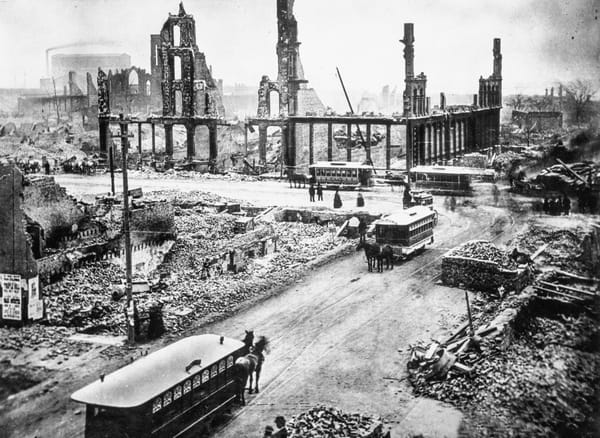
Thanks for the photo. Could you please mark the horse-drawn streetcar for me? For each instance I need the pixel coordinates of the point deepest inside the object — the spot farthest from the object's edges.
(173, 392)
(407, 231)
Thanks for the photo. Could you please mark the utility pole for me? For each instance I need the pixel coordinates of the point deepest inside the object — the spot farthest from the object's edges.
(130, 311)
(56, 103)
(111, 164)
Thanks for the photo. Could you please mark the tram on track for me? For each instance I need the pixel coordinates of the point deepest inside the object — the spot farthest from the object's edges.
(407, 231)
(156, 397)
(341, 174)
(448, 180)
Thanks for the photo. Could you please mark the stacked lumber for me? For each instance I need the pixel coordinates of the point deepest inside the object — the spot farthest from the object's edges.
(330, 422)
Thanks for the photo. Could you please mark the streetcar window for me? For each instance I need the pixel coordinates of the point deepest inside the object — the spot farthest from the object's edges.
(222, 366)
(187, 386)
(197, 381)
(229, 361)
(205, 376)
(177, 392)
(156, 405)
(214, 371)
(167, 398)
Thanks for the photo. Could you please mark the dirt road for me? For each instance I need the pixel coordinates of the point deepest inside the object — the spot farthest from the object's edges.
(339, 337)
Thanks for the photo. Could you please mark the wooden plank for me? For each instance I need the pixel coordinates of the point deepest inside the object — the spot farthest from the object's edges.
(575, 276)
(461, 368)
(572, 289)
(540, 250)
(543, 289)
(457, 333)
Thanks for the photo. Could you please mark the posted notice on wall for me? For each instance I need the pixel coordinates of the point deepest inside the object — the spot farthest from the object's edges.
(35, 308)
(10, 290)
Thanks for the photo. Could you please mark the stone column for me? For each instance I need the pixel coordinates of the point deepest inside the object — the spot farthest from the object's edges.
(153, 139)
(169, 140)
(140, 140)
(454, 138)
(329, 142)
(190, 141)
(311, 139)
(447, 139)
(434, 129)
(388, 146)
(429, 141)
(262, 143)
(349, 134)
(213, 146)
(368, 142)
(104, 133)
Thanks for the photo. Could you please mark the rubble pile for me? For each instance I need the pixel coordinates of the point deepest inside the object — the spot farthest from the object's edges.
(150, 173)
(483, 250)
(556, 177)
(506, 160)
(331, 422)
(480, 265)
(187, 295)
(536, 378)
(565, 248)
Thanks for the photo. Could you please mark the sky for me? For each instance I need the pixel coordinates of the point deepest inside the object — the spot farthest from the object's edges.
(543, 41)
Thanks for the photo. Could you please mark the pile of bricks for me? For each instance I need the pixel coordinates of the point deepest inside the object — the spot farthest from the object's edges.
(482, 266)
(331, 422)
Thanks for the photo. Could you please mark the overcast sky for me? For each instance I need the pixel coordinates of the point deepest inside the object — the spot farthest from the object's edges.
(543, 41)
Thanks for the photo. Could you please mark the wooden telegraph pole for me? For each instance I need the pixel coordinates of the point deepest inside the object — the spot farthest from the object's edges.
(130, 312)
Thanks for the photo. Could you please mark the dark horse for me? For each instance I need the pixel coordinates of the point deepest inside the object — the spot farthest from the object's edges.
(248, 340)
(376, 255)
(248, 364)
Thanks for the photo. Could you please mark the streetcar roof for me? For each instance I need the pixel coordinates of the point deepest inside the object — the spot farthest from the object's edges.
(406, 217)
(151, 375)
(451, 170)
(341, 164)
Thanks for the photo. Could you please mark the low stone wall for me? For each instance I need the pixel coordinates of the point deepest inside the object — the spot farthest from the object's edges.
(481, 275)
(321, 216)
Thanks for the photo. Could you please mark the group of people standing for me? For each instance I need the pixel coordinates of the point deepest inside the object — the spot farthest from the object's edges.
(337, 199)
(318, 190)
(556, 206)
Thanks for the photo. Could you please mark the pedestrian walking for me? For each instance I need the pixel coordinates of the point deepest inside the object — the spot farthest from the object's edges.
(566, 205)
(360, 201)
(452, 203)
(407, 198)
(496, 194)
(362, 230)
(311, 193)
(337, 201)
(319, 192)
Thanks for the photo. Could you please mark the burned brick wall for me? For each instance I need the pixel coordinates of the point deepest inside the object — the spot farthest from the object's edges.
(16, 256)
(187, 86)
(290, 84)
(130, 90)
(47, 204)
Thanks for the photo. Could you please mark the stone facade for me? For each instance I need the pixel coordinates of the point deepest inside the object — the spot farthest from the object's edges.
(187, 86)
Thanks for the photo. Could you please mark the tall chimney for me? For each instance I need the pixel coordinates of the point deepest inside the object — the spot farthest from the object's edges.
(409, 50)
(497, 58)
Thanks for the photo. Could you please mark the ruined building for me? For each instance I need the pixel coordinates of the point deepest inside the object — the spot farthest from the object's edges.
(186, 83)
(295, 98)
(180, 82)
(433, 138)
(414, 96)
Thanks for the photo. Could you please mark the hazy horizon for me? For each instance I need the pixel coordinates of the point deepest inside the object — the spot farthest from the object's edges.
(541, 44)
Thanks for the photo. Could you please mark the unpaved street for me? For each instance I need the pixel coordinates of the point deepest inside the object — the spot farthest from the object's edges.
(339, 337)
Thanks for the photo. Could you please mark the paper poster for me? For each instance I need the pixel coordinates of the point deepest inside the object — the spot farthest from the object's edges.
(35, 308)
(11, 296)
